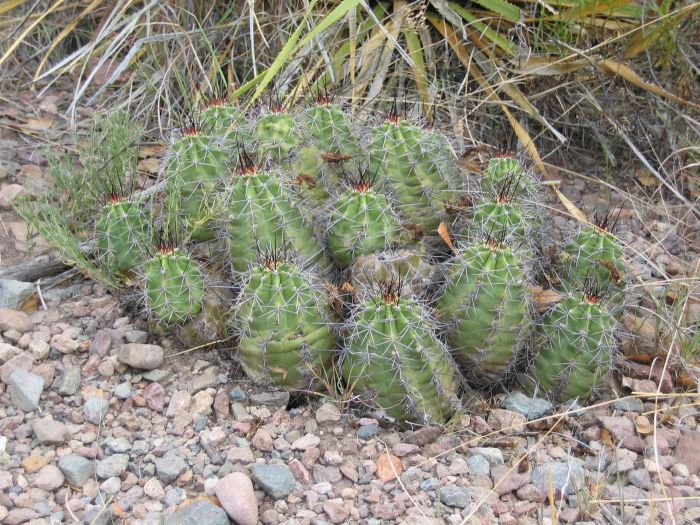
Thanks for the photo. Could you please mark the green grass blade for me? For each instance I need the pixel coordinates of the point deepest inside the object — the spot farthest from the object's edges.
(507, 10)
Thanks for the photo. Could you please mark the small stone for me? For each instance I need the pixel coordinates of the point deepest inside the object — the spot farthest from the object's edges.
(141, 356)
(493, 455)
(322, 488)
(327, 412)
(221, 405)
(49, 431)
(681, 470)
(530, 493)
(154, 394)
(7, 352)
(122, 390)
(179, 402)
(506, 420)
(629, 404)
(262, 440)
(200, 512)
(213, 437)
(278, 399)
(367, 431)
(565, 477)
(119, 445)
(70, 381)
(202, 382)
(154, 490)
(423, 436)
(620, 427)
(15, 320)
(306, 442)
(22, 361)
(25, 390)
(454, 496)
(240, 455)
(201, 404)
(49, 478)
(39, 349)
(336, 510)
(275, 480)
(388, 467)
(111, 485)
(237, 395)
(169, 467)
(640, 478)
(9, 193)
(34, 463)
(94, 409)
(237, 497)
(76, 469)
(530, 407)
(404, 449)
(156, 375)
(300, 472)
(112, 466)
(17, 516)
(506, 480)
(478, 466)
(136, 336)
(686, 451)
(64, 343)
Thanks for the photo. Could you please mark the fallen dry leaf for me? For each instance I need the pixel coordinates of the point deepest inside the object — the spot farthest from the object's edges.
(149, 165)
(646, 178)
(38, 124)
(643, 425)
(543, 299)
(388, 467)
(444, 233)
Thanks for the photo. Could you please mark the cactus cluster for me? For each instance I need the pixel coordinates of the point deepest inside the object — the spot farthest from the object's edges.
(327, 230)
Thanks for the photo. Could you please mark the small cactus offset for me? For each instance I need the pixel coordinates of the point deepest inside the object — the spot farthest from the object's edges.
(595, 254)
(120, 234)
(173, 285)
(486, 305)
(394, 361)
(285, 335)
(263, 216)
(329, 128)
(361, 222)
(576, 341)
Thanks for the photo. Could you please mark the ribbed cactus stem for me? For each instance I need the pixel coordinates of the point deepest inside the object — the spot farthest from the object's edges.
(361, 222)
(121, 231)
(263, 216)
(576, 342)
(285, 337)
(394, 361)
(486, 306)
(174, 285)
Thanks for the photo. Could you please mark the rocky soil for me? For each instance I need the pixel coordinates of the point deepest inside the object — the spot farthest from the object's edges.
(101, 422)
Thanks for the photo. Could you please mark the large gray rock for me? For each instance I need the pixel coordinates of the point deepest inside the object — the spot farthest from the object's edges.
(169, 467)
(49, 432)
(25, 389)
(141, 356)
(94, 409)
(14, 293)
(275, 480)
(565, 476)
(112, 466)
(201, 512)
(454, 496)
(530, 407)
(76, 469)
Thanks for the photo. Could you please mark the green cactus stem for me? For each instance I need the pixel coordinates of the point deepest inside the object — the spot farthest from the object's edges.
(576, 341)
(174, 285)
(361, 222)
(486, 304)
(285, 336)
(394, 361)
(120, 234)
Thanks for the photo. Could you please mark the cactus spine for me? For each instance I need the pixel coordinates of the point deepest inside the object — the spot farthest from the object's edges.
(394, 360)
(285, 337)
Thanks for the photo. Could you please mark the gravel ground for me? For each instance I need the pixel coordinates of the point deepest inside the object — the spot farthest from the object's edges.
(101, 422)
